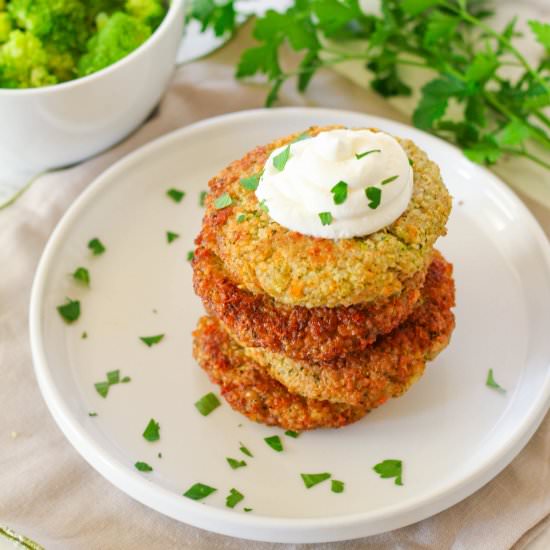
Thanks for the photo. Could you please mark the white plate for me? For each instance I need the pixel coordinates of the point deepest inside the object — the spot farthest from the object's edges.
(451, 431)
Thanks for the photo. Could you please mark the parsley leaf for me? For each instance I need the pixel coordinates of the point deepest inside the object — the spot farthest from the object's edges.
(113, 377)
(241, 218)
(340, 192)
(97, 247)
(310, 480)
(175, 194)
(274, 442)
(223, 201)
(251, 183)
(388, 180)
(290, 433)
(151, 340)
(82, 275)
(199, 491)
(70, 311)
(143, 467)
(245, 450)
(280, 160)
(390, 468)
(325, 217)
(102, 388)
(233, 498)
(202, 197)
(234, 463)
(541, 32)
(374, 195)
(171, 237)
(152, 431)
(190, 256)
(359, 156)
(206, 404)
(491, 383)
(337, 486)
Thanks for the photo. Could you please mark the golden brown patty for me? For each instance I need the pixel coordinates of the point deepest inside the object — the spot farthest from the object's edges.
(312, 334)
(366, 381)
(248, 389)
(295, 269)
(388, 367)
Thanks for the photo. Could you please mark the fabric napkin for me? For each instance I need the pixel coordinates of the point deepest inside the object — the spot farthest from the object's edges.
(51, 495)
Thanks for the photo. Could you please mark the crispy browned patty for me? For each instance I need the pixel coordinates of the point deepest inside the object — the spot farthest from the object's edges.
(385, 370)
(249, 390)
(389, 366)
(299, 270)
(312, 334)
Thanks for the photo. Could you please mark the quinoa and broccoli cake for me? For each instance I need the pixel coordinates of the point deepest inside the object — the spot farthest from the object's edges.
(316, 265)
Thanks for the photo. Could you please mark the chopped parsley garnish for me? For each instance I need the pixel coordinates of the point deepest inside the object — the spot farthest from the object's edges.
(92, 413)
(388, 180)
(102, 388)
(390, 468)
(247, 509)
(290, 433)
(82, 275)
(301, 137)
(175, 194)
(251, 183)
(340, 192)
(234, 463)
(143, 467)
(206, 404)
(202, 197)
(325, 217)
(310, 480)
(491, 383)
(113, 377)
(411, 162)
(223, 201)
(199, 491)
(190, 255)
(337, 486)
(171, 237)
(84, 335)
(96, 246)
(241, 218)
(151, 340)
(245, 450)
(159, 455)
(359, 156)
(274, 442)
(281, 159)
(374, 195)
(70, 311)
(264, 206)
(233, 498)
(152, 431)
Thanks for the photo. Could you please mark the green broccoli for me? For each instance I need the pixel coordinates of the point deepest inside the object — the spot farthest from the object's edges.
(119, 35)
(23, 62)
(151, 12)
(5, 25)
(62, 22)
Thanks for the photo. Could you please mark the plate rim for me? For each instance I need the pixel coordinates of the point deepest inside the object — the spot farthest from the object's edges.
(228, 522)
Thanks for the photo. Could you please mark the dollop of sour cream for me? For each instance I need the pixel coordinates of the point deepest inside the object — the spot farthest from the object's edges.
(337, 185)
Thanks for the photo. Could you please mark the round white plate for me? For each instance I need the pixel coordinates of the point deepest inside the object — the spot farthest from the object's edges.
(451, 431)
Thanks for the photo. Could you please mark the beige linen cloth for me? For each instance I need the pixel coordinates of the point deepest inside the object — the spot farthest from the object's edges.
(50, 494)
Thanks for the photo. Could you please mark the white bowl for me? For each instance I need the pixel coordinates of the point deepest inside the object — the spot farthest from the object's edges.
(58, 125)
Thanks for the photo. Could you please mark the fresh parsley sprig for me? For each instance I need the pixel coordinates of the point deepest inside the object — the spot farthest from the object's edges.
(496, 115)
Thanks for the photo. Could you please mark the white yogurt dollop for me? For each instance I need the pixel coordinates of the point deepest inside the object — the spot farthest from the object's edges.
(297, 194)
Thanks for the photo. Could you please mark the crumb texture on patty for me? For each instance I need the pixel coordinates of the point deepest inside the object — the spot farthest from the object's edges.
(314, 334)
(298, 270)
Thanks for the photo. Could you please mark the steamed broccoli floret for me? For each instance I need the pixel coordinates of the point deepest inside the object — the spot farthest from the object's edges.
(23, 62)
(5, 26)
(119, 35)
(62, 22)
(151, 12)
(61, 64)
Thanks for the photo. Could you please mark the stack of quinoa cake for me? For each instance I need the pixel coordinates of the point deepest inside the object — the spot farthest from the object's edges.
(305, 332)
